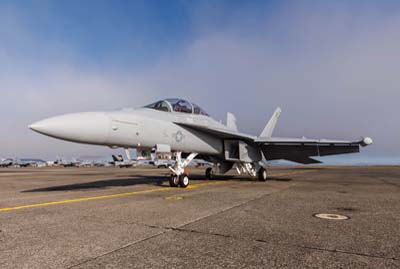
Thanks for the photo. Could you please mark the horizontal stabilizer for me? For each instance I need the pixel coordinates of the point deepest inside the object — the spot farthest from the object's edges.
(269, 128)
(303, 160)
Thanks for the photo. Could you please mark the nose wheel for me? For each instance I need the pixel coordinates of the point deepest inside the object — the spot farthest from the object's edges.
(182, 180)
(174, 181)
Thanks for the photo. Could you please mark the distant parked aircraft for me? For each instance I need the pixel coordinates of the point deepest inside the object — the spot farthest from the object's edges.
(121, 163)
(6, 162)
(67, 163)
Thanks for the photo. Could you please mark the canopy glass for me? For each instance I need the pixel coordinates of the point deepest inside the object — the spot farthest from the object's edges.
(177, 105)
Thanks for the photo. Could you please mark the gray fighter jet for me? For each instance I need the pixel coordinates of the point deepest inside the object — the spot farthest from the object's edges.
(7, 162)
(183, 128)
(119, 161)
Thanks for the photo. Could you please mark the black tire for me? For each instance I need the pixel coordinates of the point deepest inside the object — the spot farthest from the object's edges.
(209, 173)
(174, 181)
(183, 181)
(262, 174)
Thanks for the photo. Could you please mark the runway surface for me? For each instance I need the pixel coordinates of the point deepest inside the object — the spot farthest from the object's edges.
(131, 218)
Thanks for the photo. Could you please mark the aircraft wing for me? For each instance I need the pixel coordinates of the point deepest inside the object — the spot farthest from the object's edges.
(301, 149)
(222, 133)
(298, 150)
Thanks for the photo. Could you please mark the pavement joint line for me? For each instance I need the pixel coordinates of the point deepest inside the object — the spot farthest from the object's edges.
(179, 228)
(347, 252)
(117, 249)
(389, 183)
(84, 199)
(182, 229)
(265, 242)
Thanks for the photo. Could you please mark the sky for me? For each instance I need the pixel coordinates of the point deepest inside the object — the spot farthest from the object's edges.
(332, 66)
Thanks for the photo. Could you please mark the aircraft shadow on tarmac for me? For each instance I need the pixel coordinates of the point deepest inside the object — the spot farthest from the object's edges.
(136, 180)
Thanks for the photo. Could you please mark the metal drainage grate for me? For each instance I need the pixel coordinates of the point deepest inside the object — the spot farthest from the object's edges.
(331, 216)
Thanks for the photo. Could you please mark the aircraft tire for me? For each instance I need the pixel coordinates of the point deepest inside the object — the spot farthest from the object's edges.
(183, 181)
(174, 181)
(209, 173)
(262, 174)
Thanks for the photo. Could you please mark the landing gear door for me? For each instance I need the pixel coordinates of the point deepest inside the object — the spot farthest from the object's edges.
(248, 153)
(231, 148)
(163, 148)
(240, 151)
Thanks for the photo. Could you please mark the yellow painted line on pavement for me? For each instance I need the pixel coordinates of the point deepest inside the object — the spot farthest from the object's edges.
(206, 184)
(195, 186)
(288, 174)
(83, 199)
(103, 197)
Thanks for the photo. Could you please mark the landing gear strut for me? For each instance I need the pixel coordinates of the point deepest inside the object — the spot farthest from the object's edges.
(179, 177)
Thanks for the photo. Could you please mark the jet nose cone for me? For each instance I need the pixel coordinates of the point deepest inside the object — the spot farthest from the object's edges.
(89, 127)
(37, 126)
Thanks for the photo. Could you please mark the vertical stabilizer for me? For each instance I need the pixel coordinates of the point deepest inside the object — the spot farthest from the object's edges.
(128, 154)
(269, 128)
(231, 122)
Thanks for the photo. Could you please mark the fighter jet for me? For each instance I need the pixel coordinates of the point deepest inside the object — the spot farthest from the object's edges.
(186, 130)
(68, 163)
(121, 163)
(6, 162)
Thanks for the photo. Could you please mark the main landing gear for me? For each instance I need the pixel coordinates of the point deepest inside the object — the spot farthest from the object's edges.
(209, 173)
(262, 174)
(252, 169)
(179, 177)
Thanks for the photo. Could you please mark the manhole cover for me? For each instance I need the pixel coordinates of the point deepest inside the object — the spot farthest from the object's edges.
(331, 216)
(173, 198)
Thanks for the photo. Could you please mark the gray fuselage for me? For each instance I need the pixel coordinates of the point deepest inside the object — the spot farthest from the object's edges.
(141, 128)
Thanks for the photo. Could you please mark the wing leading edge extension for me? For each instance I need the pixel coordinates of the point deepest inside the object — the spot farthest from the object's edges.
(221, 133)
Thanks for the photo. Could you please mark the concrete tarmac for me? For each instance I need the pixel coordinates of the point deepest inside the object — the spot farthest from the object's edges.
(131, 218)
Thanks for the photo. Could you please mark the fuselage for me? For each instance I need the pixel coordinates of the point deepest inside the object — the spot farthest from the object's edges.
(142, 128)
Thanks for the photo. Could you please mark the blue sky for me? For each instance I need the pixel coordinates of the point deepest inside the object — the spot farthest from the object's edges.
(331, 65)
(131, 33)
(123, 34)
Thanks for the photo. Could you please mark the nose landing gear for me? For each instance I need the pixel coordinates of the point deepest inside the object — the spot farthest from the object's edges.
(179, 177)
(182, 180)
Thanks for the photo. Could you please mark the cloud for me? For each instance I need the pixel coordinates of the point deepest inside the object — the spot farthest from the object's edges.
(333, 70)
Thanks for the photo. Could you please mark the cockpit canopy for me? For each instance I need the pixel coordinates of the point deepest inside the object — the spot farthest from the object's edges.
(177, 105)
